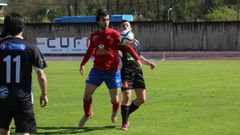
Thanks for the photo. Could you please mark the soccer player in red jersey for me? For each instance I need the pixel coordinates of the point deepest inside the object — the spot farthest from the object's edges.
(132, 78)
(104, 45)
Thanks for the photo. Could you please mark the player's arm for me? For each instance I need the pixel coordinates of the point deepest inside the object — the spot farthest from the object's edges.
(42, 81)
(86, 58)
(147, 62)
(39, 64)
(130, 50)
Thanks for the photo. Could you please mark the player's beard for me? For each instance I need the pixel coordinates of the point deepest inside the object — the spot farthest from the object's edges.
(103, 27)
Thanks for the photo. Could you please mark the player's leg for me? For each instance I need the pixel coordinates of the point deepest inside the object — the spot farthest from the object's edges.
(5, 113)
(140, 90)
(93, 81)
(125, 108)
(4, 123)
(24, 118)
(87, 103)
(114, 94)
(126, 91)
(114, 83)
(87, 98)
(127, 75)
(140, 96)
(140, 99)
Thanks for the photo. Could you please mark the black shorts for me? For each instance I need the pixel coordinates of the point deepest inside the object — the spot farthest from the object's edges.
(132, 79)
(20, 108)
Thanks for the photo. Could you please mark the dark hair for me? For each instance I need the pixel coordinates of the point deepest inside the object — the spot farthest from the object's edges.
(101, 12)
(13, 24)
(123, 21)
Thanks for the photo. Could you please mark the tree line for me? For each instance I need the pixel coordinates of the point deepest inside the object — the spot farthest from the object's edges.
(44, 11)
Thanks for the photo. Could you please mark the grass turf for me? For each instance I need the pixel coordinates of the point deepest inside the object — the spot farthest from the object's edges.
(183, 98)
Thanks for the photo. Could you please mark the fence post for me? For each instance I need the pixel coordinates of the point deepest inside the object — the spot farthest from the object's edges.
(238, 35)
(205, 36)
(171, 36)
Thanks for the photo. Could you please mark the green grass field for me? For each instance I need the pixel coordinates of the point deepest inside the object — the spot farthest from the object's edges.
(183, 98)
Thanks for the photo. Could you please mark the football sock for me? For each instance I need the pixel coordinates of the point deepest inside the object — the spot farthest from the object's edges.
(116, 106)
(124, 112)
(87, 107)
(132, 108)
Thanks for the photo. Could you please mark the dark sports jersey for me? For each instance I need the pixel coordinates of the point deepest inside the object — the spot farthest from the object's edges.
(127, 59)
(16, 62)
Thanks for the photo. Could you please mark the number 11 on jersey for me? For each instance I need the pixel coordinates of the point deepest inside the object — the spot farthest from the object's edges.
(9, 64)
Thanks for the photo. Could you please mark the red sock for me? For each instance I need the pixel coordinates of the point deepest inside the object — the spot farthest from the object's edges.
(116, 106)
(87, 107)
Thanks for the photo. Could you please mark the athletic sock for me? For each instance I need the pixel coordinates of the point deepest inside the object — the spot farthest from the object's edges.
(115, 106)
(124, 112)
(132, 108)
(87, 107)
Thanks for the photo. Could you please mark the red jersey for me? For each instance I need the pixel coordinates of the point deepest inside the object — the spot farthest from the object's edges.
(104, 47)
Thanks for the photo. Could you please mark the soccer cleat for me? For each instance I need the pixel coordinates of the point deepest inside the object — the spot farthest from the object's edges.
(114, 117)
(125, 126)
(84, 120)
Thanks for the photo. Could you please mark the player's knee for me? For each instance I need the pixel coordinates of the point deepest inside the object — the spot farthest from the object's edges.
(87, 97)
(143, 100)
(127, 97)
(126, 100)
(114, 97)
(140, 100)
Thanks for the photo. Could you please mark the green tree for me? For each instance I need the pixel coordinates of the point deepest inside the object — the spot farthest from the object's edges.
(38, 11)
(223, 13)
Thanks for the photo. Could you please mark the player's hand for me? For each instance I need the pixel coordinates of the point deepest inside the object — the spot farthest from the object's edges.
(120, 54)
(43, 100)
(139, 63)
(82, 70)
(152, 65)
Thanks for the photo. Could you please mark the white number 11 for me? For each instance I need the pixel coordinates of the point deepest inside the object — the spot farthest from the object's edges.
(8, 68)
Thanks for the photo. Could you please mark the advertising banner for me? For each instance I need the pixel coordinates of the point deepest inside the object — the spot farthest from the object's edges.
(62, 45)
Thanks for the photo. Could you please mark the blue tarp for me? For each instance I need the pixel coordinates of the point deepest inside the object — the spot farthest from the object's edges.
(91, 19)
(119, 18)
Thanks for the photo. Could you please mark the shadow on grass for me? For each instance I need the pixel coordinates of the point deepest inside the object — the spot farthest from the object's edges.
(69, 130)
